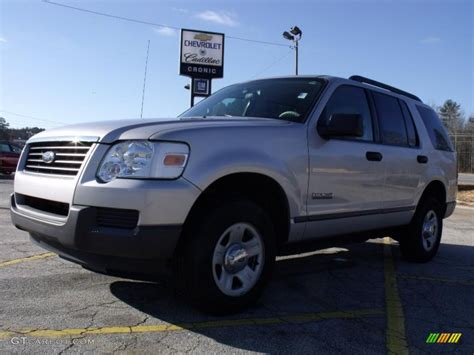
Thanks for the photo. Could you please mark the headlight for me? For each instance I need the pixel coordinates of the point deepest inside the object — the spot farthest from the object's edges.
(143, 159)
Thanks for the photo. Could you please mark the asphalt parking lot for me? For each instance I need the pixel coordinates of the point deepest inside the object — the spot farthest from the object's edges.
(360, 298)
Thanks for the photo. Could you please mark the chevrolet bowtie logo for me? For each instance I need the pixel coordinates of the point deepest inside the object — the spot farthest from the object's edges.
(202, 37)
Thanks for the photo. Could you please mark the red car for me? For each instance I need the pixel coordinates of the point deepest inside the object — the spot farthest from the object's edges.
(9, 156)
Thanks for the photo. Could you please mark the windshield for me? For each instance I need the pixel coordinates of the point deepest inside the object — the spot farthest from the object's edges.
(16, 149)
(286, 99)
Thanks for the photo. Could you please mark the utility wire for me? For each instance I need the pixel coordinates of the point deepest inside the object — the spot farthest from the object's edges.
(123, 18)
(144, 78)
(32, 117)
(257, 41)
(272, 64)
(108, 15)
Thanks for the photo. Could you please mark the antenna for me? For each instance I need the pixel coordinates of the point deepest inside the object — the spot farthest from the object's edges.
(144, 78)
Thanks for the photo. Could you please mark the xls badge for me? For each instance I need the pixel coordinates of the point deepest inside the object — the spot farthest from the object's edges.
(322, 195)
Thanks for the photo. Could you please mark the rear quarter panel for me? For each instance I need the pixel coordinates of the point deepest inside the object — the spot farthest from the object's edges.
(442, 165)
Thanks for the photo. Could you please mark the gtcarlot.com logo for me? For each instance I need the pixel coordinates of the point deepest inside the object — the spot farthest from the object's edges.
(39, 341)
(443, 338)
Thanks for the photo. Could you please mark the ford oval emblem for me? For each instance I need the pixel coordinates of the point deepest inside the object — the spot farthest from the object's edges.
(48, 157)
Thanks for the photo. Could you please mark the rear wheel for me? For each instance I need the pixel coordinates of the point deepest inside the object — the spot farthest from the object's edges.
(421, 242)
(227, 258)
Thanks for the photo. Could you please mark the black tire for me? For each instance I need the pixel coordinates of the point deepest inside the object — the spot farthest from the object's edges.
(195, 273)
(414, 245)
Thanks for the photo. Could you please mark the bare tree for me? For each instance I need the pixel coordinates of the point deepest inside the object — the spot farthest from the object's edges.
(469, 127)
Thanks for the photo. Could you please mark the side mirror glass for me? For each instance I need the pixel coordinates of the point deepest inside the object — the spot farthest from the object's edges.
(342, 125)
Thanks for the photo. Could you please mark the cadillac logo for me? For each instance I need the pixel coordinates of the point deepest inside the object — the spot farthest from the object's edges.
(48, 157)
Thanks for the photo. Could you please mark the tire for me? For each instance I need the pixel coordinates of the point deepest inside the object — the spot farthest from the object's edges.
(421, 242)
(227, 257)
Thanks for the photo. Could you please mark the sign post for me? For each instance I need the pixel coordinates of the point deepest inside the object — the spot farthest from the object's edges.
(201, 59)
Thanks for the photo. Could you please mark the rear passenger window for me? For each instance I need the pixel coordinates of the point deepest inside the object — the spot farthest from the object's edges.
(392, 123)
(438, 135)
(350, 100)
(411, 130)
(5, 148)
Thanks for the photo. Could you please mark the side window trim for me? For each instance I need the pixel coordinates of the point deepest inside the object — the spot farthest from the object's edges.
(375, 118)
(406, 111)
(372, 117)
(404, 123)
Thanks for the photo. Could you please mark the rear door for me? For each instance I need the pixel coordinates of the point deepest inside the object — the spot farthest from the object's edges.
(405, 161)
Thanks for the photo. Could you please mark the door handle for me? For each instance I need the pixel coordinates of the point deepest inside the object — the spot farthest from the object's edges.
(374, 156)
(422, 159)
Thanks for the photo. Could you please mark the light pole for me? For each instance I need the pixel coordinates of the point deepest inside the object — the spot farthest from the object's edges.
(294, 35)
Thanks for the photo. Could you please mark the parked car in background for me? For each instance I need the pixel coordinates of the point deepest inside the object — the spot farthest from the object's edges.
(9, 156)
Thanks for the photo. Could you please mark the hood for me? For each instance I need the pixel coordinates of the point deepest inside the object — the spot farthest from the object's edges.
(110, 131)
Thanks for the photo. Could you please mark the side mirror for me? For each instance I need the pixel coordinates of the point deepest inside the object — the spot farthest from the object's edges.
(342, 125)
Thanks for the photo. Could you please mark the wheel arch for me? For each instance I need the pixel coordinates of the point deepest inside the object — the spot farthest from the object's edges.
(436, 189)
(259, 188)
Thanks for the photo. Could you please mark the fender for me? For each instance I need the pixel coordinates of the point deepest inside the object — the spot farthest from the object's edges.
(272, 148)
(228, 162)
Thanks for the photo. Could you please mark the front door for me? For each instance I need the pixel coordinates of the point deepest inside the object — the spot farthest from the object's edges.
(346, 175)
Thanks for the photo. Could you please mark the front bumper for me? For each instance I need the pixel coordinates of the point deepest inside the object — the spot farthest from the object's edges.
(81, 240)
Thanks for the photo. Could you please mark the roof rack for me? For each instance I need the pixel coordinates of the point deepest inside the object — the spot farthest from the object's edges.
(362, 79)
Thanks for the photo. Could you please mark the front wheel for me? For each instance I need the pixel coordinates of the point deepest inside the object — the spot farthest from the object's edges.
(227, 258)
(421, 242)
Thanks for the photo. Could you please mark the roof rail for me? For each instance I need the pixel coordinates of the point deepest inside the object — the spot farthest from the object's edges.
(362, 79)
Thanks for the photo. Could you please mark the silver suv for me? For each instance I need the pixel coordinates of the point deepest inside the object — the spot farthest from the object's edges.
(241, 177)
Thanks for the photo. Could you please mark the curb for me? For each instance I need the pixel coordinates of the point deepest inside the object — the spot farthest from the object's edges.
(465, 206)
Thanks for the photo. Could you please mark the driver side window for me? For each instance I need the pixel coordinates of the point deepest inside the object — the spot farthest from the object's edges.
(350, 100)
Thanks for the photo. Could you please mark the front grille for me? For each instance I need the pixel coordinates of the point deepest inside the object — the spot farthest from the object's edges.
(117, 218)
(40, 204)
(68, 157)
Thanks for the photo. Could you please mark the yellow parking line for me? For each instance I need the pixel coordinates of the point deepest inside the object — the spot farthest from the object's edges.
(28, 258)
(298, 318)
(395, 337)
(427, 278)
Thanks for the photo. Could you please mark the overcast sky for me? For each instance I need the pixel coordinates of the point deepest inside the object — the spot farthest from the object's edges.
(60, 66)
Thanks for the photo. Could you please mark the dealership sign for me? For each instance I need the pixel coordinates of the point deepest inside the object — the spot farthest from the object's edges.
(202, 54)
